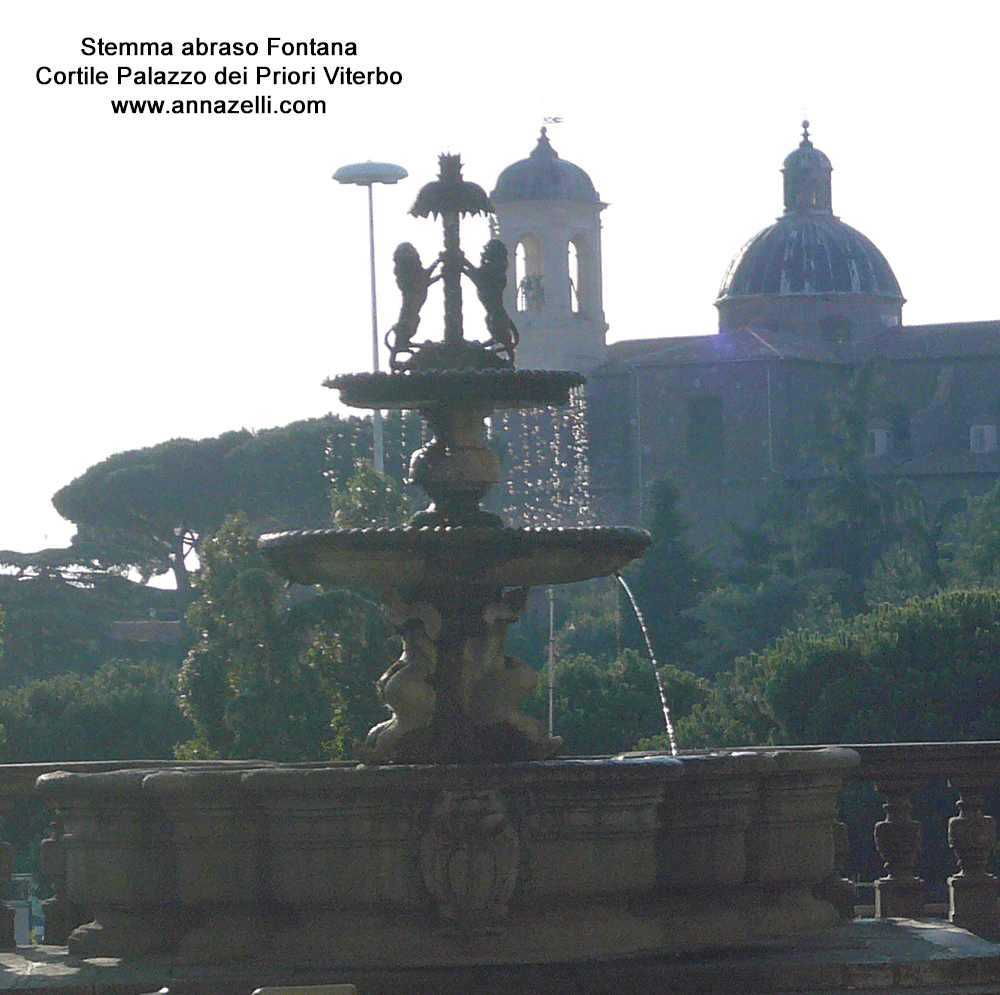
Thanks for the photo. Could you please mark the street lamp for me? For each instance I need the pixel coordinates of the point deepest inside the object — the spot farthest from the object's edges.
(367, 174)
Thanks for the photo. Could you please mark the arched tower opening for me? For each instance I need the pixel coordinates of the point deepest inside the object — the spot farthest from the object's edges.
(807, 178)
(573, 265)
(529, 275)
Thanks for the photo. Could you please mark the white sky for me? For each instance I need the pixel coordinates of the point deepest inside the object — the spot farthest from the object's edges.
(169, 276)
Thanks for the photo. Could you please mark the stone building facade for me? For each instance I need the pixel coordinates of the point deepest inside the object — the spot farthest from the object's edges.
(802, 305)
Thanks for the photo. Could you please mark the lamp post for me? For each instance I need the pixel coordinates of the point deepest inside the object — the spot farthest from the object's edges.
(367, 174)
(552, 656)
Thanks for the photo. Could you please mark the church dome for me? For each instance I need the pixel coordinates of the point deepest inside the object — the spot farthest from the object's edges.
(809, 254)
(809, 250)
(544, 176)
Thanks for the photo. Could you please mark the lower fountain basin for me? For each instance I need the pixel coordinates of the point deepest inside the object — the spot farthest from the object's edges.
(400, 866)
(408, 557)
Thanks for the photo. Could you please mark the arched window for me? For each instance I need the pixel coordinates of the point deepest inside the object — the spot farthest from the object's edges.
(573, 260)
(529, 272)
(983, 436)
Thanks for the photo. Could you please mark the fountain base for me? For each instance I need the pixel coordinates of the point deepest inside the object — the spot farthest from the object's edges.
(456, 865)
(885, 955)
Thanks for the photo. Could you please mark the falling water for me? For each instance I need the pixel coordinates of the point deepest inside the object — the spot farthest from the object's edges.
(652, 659)
(547, 473)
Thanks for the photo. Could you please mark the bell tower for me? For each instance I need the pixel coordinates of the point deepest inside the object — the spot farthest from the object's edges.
(549, 218)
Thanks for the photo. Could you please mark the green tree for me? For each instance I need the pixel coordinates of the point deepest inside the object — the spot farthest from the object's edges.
(822, 548)
(975, 542)
(368, 499)
(671, 578)
(272, 676)
(922, 671)
(280, 477)
(147, 510)
(608, 708)
(588, 619)
(123, 711)
(61, 618)
(853, 523)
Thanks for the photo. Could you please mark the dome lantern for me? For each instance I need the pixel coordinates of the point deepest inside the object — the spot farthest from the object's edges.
(807, 178)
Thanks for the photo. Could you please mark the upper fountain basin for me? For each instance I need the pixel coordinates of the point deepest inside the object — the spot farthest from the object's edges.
(401, 558)
(469, 388)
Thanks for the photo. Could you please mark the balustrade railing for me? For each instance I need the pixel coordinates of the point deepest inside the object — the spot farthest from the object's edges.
(898, 771)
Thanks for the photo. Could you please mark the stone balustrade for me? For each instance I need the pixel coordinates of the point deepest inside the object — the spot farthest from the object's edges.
(898, 771)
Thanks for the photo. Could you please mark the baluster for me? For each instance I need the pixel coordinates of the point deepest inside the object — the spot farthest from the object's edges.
(62, 915)
(60, 918)
(900, 893)
(973, 890)
(7, 940)
(837, 890)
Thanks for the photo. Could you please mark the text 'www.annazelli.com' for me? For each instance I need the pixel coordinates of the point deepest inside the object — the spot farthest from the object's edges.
(259, 105)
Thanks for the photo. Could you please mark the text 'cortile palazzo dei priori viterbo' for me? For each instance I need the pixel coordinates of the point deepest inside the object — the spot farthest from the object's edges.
(803, 305)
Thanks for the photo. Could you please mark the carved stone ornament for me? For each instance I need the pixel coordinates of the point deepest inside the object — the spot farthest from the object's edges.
(972, 835)
(407, 687)
(469, 859)
(451, 197)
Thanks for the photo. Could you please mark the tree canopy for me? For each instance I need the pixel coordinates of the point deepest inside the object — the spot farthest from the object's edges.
(123, 711)
(601, 708)
(274, 676)
(922, 671)
(147, 509)
(671, 578)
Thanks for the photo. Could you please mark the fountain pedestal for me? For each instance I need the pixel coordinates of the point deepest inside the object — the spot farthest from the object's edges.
(454, 579)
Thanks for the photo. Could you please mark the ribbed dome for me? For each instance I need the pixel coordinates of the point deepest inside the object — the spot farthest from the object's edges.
(544, 176)
(809, 254)
(808, 250)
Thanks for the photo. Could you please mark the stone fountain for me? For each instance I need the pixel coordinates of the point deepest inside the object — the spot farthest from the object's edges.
(454, 578)
(460, 841)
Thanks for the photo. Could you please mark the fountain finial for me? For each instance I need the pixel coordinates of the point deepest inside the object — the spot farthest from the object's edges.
(450, 193)
(451, 197)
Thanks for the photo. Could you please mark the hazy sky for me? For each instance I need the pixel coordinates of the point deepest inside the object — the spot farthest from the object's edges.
(177, 276)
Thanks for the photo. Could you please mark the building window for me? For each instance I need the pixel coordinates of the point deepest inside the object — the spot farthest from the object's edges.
(573, 260)
(706, 434)
(878, 442)
(983, 438)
